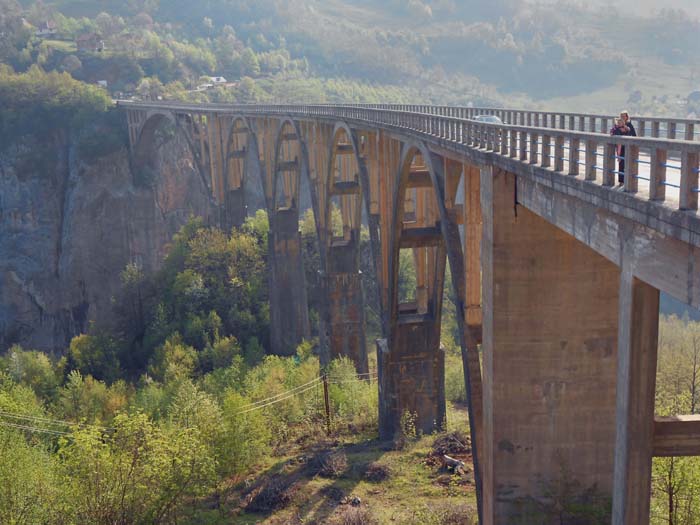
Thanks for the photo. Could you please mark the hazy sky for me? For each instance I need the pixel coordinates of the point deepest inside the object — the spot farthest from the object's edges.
(645, 7)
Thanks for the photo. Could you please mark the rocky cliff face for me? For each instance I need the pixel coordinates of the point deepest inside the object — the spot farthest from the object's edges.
(69, 224)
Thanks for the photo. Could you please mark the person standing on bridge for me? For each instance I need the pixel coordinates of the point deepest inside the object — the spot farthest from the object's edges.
(630, 132)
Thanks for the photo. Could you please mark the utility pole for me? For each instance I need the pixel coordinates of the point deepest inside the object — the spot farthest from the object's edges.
(327, 402)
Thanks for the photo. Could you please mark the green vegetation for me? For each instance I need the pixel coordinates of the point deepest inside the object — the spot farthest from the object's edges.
(55, 99)
(510, 52)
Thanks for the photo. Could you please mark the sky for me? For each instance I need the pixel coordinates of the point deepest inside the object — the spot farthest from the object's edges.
(645, 7)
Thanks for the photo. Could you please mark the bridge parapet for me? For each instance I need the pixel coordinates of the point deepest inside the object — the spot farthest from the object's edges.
(667, 167)
(647, 126)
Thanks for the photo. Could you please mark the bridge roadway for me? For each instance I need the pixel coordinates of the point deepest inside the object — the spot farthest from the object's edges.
(557, 272)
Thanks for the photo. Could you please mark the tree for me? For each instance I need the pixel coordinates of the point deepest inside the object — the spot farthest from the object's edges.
(95, 355)
(249, 61)
(71, 64)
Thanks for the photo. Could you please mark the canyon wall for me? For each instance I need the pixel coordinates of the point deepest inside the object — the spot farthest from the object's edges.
(72, 218)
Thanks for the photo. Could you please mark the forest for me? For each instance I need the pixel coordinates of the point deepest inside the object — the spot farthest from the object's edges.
(519, 52)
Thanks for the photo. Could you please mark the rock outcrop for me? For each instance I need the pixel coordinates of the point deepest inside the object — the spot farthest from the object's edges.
(70, 221)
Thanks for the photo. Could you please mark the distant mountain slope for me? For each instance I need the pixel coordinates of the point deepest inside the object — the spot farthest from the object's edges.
(595, 56)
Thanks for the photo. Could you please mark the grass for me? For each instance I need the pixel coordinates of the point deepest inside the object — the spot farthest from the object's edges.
(61, 45)
(415, 491)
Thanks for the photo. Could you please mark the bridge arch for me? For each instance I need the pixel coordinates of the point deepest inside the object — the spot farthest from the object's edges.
(156, 122)
(346, 188)
(288, 295)
(424, 222)
(241, 150)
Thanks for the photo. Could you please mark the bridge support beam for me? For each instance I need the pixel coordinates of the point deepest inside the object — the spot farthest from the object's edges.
(636, 388)
(411, 379)
(235, 209)
(289, 316)
(346, 315)
(550, 351)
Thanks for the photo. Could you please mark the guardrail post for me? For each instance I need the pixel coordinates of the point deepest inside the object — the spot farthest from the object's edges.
(657, 175)
(513, 143)
(609, 164)
(523, 146)
(689, 181)
(655, 129)
(546, 151)
(572, 123)
(689, 131)
(591, 150)
(671, 133)
(641, 128)
(631, 168)
(533, 148)
(503, 136)
(559, 153)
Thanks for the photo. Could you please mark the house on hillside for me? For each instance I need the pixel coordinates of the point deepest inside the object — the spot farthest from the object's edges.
(90, 42)
(218, 80)
(47, 28)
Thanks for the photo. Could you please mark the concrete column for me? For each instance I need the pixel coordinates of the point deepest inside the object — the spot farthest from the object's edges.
(550, 351)
(411, 378)
(346, 315)
(235, 210)
(638, 338)
(289, 316)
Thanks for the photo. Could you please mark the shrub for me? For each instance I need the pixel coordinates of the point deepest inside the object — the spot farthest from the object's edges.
(246, 435)
(139, 473)
(33, 369)
(275, 493)
(357, 516)
(354, 401)
(377, 472)
(94, 355)
(330, 464)
(29, 489)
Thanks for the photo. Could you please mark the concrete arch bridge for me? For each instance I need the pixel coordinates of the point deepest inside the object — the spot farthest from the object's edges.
(557, 272)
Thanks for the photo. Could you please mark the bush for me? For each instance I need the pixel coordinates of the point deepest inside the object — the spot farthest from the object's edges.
(275, 493)
(354, 401)
(377, 472)
(139, 473)
(94, 355)
(330, 464)
(246, 435)
(33, 369)
(29, 489)
(357, 516)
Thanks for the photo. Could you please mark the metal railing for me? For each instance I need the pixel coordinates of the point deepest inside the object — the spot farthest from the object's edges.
(671, 163)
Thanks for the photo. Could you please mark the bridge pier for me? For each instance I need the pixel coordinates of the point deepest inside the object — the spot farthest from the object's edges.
(235, 209)
(638, 338)
(289, 316)
(345, 303)
(550, 356)
(411, 379)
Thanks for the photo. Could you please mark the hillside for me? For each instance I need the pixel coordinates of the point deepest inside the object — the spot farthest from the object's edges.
(507, 52)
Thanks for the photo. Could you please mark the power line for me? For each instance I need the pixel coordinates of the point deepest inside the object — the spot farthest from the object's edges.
(275, 401)
(263, 401)
(57, 422)
(33, 429)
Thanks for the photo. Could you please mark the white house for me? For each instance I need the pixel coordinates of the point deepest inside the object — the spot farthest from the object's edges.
(46, 29)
